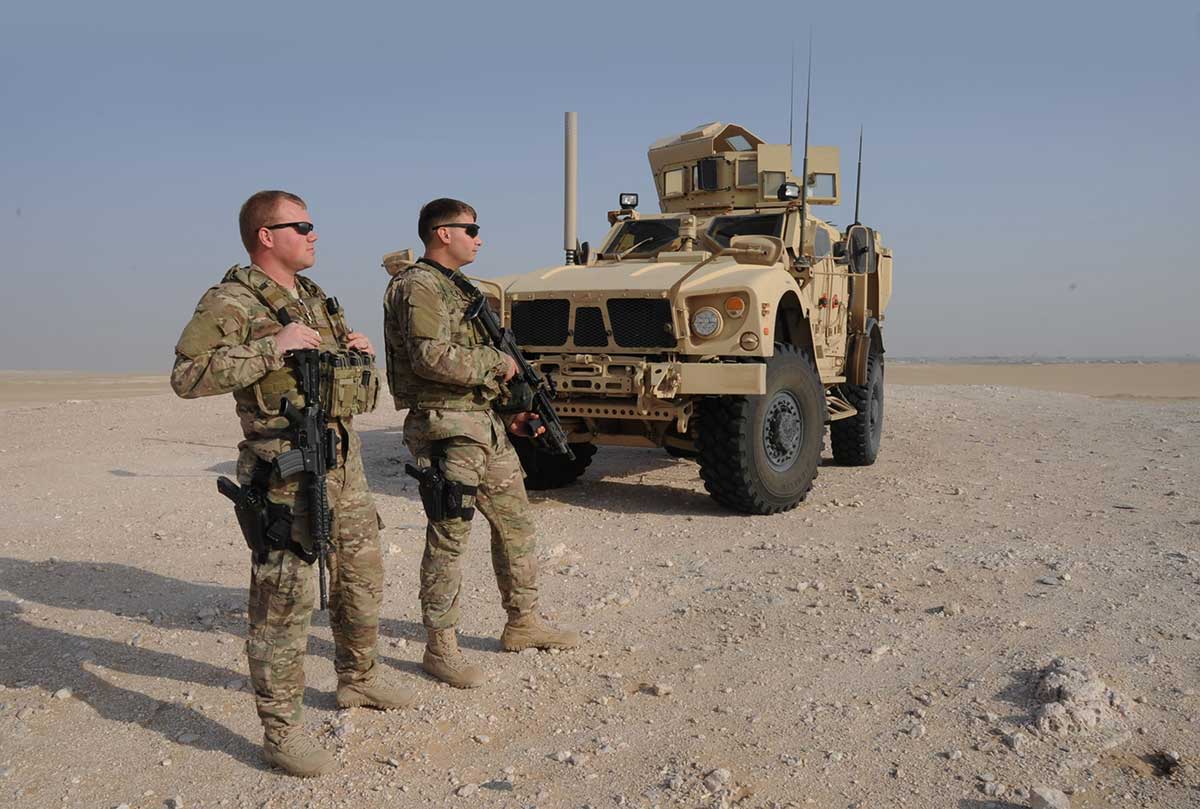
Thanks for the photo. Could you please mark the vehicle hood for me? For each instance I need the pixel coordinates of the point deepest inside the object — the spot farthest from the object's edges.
(632, 276)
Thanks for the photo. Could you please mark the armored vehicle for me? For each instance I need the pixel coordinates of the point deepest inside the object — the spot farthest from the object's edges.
(730, 328)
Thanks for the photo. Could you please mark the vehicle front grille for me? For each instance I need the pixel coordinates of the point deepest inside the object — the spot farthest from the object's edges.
(636, 323)
(589, 327)
(641, 322)
(541, 323)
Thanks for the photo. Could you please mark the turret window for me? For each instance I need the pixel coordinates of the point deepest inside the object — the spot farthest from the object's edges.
(747, 173)
(673, 182)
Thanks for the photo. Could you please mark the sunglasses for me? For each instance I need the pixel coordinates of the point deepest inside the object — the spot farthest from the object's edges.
(471, 228)
(303, 228)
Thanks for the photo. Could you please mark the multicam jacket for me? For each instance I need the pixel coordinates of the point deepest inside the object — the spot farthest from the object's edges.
(229, 347)
(436, 359)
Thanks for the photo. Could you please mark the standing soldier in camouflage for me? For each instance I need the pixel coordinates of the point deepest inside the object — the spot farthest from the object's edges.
(237, 342)
(448, 376)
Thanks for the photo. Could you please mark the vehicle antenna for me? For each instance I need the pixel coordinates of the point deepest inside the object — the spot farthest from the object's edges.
(804, 176)
(858, 182)
(792, 97)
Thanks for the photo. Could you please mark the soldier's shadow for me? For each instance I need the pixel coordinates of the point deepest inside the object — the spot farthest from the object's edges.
(39, 656)
(147, 600)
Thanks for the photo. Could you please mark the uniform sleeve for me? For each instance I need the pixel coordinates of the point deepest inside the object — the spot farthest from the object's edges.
(427, 339)
(215, 353)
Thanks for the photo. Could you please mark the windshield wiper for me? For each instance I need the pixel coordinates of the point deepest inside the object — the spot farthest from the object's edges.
(624, 253)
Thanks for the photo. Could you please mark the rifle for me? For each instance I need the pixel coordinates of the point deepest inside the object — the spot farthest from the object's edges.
(530, 391)
(314, 451)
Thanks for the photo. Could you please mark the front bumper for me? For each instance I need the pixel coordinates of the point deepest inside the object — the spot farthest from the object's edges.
(632, 387)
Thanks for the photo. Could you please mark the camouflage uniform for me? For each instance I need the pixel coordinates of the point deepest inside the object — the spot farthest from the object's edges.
(229, 346)
(448, 377)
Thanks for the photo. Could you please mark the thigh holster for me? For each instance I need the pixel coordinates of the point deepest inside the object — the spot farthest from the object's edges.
(266, 526)
(442, 498)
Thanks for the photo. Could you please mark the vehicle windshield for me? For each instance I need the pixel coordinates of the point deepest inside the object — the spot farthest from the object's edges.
(724, 228)
(646, 237)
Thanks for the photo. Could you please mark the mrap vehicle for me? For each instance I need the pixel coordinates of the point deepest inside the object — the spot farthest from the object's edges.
(730, 328)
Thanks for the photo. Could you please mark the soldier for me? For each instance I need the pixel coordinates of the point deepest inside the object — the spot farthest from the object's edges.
(237, 341)
(443, 371)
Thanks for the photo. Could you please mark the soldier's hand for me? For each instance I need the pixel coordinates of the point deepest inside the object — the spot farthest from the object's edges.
(511, 369)
(296, 336)
(520, 425)
(357, 340)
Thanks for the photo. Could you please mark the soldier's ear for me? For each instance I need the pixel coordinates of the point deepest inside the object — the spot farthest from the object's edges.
(265, 237)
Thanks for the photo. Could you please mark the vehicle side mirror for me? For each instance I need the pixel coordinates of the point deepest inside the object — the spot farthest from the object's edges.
(860, 249)
(839, 252)
(583, 253)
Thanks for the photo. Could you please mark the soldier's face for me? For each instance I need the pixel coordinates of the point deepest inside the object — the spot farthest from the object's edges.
(294, 251)
(462, 248)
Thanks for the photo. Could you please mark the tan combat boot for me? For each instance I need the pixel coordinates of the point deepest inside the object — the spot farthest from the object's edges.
(297, 753)
(374, 694)
(527, 630)
(444, 661)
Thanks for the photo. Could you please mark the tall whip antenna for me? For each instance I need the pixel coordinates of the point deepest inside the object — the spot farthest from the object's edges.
(804, 176)
(858, 182)
(792, 97)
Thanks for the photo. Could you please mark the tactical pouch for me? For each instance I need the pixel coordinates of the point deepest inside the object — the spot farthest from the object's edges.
(442, 498)
(349, 383)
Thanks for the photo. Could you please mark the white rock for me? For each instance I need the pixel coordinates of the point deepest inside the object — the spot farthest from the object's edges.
(561, 755)
(466, 790)
(717, 779)
(1048, 798)
(62, 693)
(1016, 741)
(661, 690)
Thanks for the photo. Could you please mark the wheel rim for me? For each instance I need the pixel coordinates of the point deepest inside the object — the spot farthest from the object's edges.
(783, 431)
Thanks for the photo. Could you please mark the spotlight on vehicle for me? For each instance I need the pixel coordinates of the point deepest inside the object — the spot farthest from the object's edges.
(630, 201)
(789, 192)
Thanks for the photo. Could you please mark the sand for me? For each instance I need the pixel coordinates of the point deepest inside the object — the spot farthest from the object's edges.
(1132, 380)
(879, 646)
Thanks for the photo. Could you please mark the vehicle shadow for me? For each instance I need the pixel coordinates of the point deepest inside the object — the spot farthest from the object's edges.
(615, 480)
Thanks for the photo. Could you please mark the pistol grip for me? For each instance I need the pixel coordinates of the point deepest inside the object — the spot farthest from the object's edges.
(228, 488)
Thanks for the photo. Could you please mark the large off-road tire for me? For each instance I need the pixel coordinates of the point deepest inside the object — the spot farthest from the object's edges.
(759, 454)
(546, 471)
(855, 440)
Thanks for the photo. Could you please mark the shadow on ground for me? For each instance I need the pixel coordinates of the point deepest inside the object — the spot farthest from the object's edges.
(40, 656)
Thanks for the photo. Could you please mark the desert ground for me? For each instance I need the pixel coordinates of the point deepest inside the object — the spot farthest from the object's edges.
(892, 642)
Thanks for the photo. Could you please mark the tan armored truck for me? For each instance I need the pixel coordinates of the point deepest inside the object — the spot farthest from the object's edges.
(729, 328)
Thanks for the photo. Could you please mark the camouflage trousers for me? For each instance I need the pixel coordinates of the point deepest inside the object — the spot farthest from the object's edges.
(478, 453)
(283, 591)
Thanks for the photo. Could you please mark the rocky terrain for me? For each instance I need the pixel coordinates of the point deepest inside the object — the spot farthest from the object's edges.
(1000, 613)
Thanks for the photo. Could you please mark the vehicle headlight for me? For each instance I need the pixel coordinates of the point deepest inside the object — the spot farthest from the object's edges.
(706, 322)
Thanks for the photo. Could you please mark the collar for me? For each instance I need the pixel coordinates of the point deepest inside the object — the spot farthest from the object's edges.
(438, 266)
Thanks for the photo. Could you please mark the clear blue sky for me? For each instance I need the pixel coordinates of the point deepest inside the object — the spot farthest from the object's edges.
(1034, 166)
